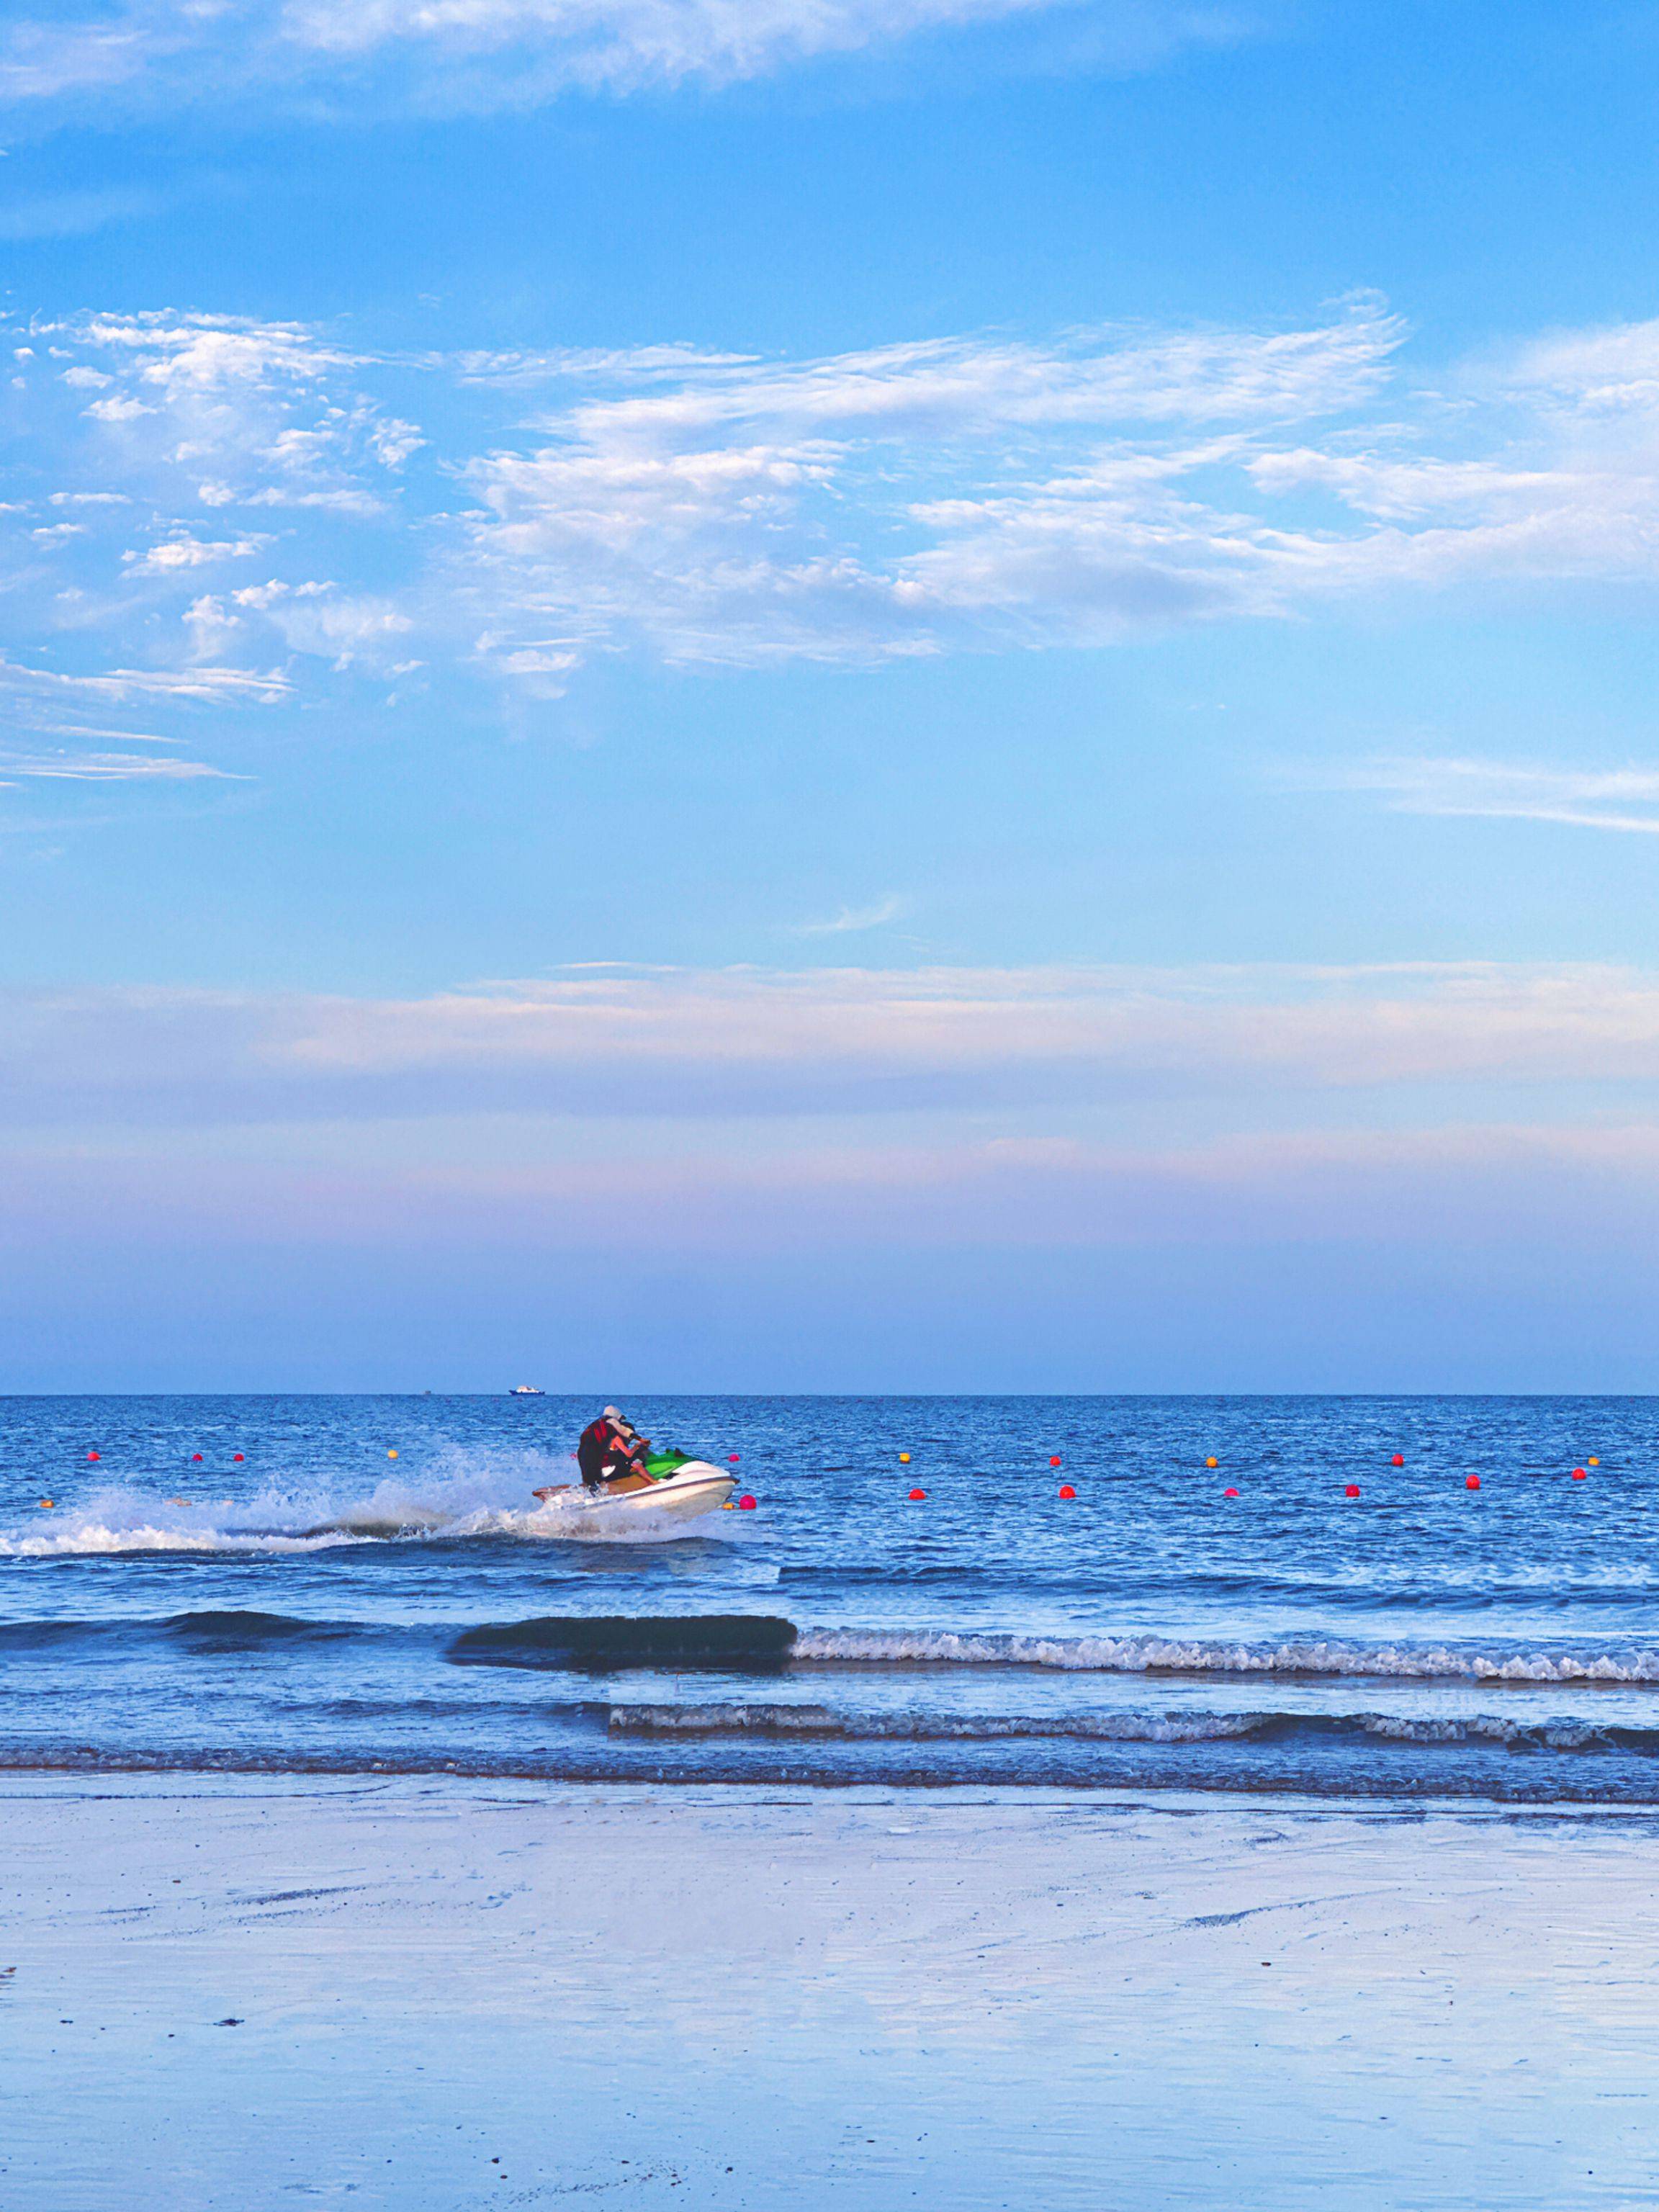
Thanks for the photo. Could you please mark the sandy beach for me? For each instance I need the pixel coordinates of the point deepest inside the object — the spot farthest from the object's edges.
(438, 1996)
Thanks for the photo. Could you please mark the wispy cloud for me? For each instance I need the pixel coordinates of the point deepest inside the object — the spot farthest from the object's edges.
(74, 214)
(104, 768)
(1625, 799)
(483, 54)
(853, 918)
(689, 1043)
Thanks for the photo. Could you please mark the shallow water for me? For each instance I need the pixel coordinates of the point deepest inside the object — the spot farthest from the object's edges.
(316, 1605)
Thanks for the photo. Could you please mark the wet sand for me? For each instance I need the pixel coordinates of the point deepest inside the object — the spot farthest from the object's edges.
(446, 1996)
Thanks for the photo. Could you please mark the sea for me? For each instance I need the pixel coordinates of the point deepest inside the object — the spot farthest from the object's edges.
(1403, 1598)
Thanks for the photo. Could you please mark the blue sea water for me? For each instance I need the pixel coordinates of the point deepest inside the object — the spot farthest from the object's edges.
(318, 1605)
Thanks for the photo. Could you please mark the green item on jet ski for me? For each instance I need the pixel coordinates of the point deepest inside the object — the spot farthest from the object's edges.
(658, 1464)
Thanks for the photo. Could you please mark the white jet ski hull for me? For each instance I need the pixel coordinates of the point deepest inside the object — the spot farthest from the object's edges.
(695, 1488)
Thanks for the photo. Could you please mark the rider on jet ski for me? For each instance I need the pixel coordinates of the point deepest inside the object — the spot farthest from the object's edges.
(609, 1447)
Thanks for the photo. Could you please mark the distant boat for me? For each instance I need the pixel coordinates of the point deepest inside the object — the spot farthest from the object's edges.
(525, 1390)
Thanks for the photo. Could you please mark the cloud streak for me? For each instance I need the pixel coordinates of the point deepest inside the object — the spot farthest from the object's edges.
(1625, 799)
(852, 919)
(459, 55)
(667, 1043)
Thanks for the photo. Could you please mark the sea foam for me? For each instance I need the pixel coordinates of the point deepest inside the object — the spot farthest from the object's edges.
(1175, 1654)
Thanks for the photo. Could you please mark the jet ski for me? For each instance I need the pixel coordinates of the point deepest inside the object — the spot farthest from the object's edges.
(673, 1488)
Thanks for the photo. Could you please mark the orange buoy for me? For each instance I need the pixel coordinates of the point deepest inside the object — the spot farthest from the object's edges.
(1212, 1461)
(1066, 1491)
(904, 1459)
(918, 1493)
(1230, 1493)
(47, 1504)
(1400, 1459)
(1596, 1462)
(392, 1455)
(1471, 1482)
(745, 1503)
(1351, 1490)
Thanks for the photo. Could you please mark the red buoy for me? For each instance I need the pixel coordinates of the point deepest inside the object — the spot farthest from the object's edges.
(731, 1458)
(1352, 1491)
(196, 1456)
(918, 1493)
(1230, 1493)
(1579, 1474)
(1053, 1460)
(1471, 1482)
(236, 1454)
(1066, 1491)
(745, 1503)
(1400, 1459)
(92, 1455)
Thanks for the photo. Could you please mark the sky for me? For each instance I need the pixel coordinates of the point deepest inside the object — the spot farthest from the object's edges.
(796, 695)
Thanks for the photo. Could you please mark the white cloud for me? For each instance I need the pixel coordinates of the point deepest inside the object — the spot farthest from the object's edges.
(1333, 1029)
(184, 551)
(104, 768)
(224, 409)
(492, 53)
(668, 1041)
(724, 511)
(851, 919)
(1625, 799)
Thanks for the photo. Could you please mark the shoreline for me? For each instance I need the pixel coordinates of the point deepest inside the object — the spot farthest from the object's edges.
(1252, 1791)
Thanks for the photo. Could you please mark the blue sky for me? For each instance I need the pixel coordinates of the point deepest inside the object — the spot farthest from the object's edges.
(948, 694)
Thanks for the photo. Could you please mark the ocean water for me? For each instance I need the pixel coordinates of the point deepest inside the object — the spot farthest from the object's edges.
(318, 1605)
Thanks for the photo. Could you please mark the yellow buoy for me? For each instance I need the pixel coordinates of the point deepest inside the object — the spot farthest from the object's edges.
(904, 1459)
(392, 1455)
(728, 1507)
(1596, 1462)
(1212, 1463)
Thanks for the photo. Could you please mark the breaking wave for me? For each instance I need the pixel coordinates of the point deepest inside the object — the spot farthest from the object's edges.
(1166, 1655)
(810, 1721)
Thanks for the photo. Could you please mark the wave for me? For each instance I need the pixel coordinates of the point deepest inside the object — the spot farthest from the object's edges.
(602, 1643)
(1129, 1728)
(1357, 1757)
(800, 1720)
(460, 1497)
(1477, 1730)
(1175, 1654)
(195, 1632)
(769, 1643)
